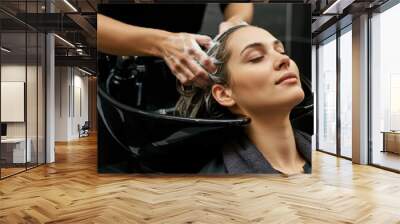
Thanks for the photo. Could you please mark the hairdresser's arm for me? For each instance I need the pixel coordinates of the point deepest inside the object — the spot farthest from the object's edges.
(181, 51)
(115, 37)
(235, 13)
(239, 11)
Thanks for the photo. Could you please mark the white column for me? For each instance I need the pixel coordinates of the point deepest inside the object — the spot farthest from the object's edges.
(50, 92)
(360, 90)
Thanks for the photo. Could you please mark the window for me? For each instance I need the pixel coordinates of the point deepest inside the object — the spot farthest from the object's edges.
(327, 96)
(346, 93)
(385, 89)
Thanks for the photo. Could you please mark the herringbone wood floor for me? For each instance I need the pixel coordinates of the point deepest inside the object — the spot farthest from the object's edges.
(71, 191)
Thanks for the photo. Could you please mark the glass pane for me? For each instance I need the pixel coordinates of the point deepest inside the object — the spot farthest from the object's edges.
(31, 84)
(80, 101)
(327, 96)
(385, 89)
(41, 98)
(31, 100)
(314, 84)
(345, 94)
(13, 86)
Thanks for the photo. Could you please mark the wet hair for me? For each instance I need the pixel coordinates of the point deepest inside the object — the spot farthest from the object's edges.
(196, 102)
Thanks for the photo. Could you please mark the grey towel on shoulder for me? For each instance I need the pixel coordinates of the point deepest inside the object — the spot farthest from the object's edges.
(242, 156)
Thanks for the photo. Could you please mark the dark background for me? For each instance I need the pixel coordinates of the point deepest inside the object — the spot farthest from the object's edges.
(290, 23)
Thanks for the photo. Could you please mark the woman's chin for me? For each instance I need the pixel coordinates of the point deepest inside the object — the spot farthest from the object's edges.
(293, 98)
(299, 96)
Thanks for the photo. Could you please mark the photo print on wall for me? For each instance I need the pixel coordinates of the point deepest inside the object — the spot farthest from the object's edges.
(206, 88)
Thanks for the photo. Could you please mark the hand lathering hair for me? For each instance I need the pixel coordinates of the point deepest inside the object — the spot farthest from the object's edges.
(196, 102)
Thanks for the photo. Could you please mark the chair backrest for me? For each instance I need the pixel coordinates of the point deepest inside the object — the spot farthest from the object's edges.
(86, 125)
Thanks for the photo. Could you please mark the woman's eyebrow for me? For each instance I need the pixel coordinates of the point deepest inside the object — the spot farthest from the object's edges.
(256, 44)
(259, 44)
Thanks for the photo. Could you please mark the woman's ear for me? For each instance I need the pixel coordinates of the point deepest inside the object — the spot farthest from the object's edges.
(223, 95)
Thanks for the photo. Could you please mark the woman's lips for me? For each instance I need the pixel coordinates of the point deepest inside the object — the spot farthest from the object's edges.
(287, 78)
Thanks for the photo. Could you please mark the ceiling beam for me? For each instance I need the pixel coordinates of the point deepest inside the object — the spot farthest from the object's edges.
(81, 61)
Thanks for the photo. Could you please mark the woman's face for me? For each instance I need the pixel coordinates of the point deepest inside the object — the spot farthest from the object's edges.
(261, 76)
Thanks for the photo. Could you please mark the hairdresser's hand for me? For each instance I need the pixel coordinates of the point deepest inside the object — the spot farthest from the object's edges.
(187, 61)
(234, 21)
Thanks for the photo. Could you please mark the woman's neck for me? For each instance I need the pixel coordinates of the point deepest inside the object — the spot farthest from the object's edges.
(273, 136)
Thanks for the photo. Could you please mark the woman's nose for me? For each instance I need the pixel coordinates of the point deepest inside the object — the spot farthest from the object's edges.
(282, 61)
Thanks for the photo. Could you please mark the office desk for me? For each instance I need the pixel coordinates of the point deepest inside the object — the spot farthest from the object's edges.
(391, 141)
(15, 148)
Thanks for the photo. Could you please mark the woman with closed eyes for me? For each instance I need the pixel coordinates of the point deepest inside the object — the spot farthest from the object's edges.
(254, 78)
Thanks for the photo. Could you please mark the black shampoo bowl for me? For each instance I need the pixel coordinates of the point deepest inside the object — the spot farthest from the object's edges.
(158, 142)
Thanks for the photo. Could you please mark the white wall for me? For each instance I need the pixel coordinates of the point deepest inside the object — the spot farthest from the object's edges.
(61, 103)
(70, 83)
(13, 72)
(80, 89)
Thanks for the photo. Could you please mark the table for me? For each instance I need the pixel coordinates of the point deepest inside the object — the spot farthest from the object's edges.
(391, 141)
(15, 148)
